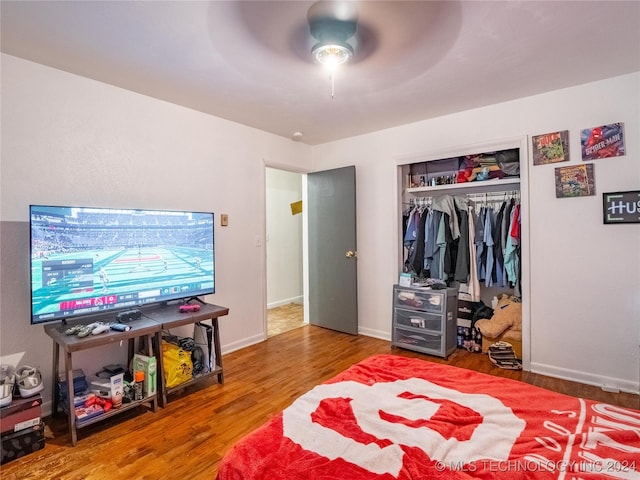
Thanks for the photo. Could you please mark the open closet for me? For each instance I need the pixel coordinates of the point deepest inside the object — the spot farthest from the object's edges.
(463, 229)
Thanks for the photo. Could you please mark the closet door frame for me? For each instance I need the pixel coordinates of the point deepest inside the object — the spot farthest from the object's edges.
(403, 194)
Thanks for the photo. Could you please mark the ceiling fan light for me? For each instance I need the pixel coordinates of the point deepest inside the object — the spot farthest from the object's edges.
(332, 54)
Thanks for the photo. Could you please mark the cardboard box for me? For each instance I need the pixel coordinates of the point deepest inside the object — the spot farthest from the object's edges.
(148, 366)
(21, 443)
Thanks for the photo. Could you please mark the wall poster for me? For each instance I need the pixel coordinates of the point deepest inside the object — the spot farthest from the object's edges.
(575, 181)
(602, 142)
(550, 147)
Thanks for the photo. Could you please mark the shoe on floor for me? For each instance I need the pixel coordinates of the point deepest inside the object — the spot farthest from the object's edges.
(29, 381)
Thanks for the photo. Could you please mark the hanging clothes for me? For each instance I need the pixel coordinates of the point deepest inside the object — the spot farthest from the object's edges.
(479, 241)
(453, 240)
(511, 258)
(432, 250)
(418, 259)
(428, 226)
(474, 283)
(488, 246)
(410, 235)
(463, 254)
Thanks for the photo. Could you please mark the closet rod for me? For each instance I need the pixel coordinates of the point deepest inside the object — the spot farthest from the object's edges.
(493, 195)
(475, 197)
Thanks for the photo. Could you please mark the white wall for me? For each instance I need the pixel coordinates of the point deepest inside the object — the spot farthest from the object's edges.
(585, 276)
(284, 238)
(68, 140)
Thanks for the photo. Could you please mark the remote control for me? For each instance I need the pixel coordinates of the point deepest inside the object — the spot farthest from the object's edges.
(120, 327)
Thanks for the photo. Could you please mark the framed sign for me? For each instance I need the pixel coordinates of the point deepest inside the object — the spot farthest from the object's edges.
(603, 141)
(575, 181)
(621, 207)
(550, 147)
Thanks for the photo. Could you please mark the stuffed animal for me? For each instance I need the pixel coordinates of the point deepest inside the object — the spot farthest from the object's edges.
(507, 314)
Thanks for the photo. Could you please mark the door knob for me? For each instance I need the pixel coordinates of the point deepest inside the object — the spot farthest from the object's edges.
(351, 254)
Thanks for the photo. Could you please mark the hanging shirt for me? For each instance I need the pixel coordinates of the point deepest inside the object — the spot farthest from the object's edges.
(446, 204)
(488, 242)
(418, 260)
(450, 252)
(433, 249)
(410, 238)
(474, 284)
(428, 226)
(511, 260)
(462, 259)
(479, 241)
(411, 230)
(497, 248)
(515, 224)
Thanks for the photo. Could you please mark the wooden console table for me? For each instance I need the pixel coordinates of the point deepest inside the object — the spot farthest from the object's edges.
(148, 329)
(143, 328)
(169, 317)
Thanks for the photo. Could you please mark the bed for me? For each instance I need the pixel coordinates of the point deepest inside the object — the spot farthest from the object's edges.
(391, 417)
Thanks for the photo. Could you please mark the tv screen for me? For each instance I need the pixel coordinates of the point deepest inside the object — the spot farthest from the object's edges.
(88, 260)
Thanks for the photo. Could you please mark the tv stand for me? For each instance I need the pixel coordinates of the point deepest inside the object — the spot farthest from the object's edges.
(148, 329)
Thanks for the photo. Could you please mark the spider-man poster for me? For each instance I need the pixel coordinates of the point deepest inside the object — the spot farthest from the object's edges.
(602, 142)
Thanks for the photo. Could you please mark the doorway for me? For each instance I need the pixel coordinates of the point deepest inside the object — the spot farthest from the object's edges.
(284, 250)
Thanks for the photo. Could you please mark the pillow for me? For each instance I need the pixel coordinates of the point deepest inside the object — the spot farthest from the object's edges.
(508, 312)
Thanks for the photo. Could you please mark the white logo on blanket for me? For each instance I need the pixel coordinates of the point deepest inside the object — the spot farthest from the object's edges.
(493, 438)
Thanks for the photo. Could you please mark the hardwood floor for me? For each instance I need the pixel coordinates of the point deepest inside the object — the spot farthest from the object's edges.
(188, 438)
(284, 318)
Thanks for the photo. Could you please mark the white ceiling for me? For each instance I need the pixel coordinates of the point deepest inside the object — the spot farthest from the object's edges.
(249, 62)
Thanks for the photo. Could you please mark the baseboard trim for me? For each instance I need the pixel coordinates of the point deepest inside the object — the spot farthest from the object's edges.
(279, 303)
(370, 332)
(621, 384)
(243, 343)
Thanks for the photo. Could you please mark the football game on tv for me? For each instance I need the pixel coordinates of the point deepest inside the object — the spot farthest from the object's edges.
(87, 260)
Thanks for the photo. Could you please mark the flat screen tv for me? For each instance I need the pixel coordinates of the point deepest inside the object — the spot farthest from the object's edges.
(88, 260)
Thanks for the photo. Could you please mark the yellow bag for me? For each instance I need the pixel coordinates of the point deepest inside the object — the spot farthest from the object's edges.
(176, 364)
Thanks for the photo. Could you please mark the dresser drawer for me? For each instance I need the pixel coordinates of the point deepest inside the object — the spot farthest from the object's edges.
(416, 340)
(424, 300)
(422, 320)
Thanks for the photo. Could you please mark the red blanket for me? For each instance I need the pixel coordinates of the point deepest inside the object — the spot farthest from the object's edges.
(391, 417)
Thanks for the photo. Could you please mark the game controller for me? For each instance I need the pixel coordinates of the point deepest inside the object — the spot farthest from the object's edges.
(189, 308)
(100, 329)
(85, 330)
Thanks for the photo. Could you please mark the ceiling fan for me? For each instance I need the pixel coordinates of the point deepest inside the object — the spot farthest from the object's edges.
(333, 23)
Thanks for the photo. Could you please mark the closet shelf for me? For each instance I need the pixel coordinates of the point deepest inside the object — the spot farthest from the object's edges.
(501, 184)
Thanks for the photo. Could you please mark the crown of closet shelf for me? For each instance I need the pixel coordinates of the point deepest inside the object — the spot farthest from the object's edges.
(502, 184)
